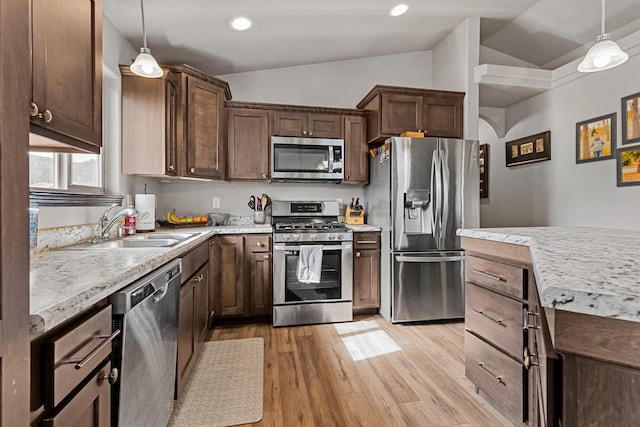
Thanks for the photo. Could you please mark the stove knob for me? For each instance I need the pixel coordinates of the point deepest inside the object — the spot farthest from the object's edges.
(286, 237)
(331, 236)
(314, 237)
(295, 237)
(339, 236)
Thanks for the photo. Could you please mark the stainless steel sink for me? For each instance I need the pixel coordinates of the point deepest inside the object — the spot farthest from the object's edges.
(155, 240)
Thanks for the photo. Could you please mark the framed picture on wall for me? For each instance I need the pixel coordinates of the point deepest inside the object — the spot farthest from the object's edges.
(631, 119)
(629, 166)
(534, 148)
(596, 139)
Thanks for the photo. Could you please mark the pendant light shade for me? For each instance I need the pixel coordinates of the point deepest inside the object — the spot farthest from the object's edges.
(145, 64)
(604, 54)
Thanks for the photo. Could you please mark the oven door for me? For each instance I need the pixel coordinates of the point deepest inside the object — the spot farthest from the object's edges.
(306, 159)
(335, 279)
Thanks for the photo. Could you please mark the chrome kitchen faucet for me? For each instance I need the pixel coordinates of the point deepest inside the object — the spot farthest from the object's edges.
(105, 224)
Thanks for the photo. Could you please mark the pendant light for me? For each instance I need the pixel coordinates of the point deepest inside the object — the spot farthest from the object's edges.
(145, 64)
(604, 54)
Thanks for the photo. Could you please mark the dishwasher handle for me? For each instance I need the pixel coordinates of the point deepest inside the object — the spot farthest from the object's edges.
(160, 293)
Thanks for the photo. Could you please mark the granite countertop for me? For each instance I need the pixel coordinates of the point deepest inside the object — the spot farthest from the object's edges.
(65, 282)
(363, 227)
(592, 271)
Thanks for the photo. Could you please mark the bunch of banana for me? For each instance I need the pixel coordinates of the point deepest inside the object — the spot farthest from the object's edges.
(172, 218)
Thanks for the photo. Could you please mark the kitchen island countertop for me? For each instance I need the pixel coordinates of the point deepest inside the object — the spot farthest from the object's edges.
(591, 271)
(65, 282)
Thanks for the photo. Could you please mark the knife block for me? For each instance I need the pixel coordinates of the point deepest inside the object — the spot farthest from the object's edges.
(354, 217)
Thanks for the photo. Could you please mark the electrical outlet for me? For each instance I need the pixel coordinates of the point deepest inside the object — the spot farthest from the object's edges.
(215, 203)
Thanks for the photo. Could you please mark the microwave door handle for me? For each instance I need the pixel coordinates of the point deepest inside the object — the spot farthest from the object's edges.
(330, 168)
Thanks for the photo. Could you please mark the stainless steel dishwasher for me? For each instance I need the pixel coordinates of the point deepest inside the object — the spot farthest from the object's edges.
(147, 314)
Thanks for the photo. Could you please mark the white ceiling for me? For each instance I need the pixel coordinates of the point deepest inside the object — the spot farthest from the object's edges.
(545, 33)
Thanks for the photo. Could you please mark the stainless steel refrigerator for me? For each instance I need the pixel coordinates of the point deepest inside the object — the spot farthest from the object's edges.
(421, 191)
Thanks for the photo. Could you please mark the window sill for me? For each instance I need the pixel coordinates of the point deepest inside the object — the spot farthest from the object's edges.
(50, 198)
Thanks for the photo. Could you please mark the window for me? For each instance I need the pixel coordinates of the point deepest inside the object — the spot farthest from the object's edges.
(61, 171)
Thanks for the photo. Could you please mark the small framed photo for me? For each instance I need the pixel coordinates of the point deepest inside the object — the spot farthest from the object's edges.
(631, 119)
(596, 139)
(628, 166)
(534, 148)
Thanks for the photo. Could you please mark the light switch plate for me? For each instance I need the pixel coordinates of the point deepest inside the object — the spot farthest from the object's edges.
(215, 202)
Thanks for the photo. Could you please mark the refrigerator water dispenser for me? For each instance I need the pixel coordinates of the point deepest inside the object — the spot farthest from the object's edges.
(417, 209)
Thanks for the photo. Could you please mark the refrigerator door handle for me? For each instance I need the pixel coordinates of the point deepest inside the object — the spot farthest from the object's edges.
(413, 258)
(444, 198)
(435, 195)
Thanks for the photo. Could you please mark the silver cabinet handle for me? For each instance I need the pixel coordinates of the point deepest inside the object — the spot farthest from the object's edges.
(498, 378)
(35, 113)
(112, 376)
(366, 242)
(199, 278)
(490, 276)
(81, 362)
(497, 321)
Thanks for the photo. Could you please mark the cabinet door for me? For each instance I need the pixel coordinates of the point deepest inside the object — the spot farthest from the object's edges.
(247, 144)
(259, 284)
(366, 278)
(89, 407)
(324, 125)
(205, 121)
(229, 275)
(186, 335)
(289, 123)
(442, 116)
(356, 160)
(201, 304)
(400, 113)
(67, 71)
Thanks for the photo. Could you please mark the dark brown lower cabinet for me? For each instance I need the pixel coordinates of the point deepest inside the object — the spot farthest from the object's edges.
(241, 271)
(366, 270)
(193, 314)
(90, 407)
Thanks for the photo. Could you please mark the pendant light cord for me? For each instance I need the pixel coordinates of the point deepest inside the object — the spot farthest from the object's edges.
(601, 25)
(144, 30)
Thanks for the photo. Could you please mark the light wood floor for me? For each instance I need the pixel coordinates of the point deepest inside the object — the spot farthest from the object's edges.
(310, 378)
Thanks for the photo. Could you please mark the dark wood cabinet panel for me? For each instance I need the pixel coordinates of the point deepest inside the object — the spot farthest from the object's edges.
(67, 73)
(186, 335)
(228, 272)
(356, 156)
(259, 285)
(393, 110)
(366, 270)
(201, 301)
(247, 144)
(90, 407)
(442, 116)
(205, 129)
(299, 123)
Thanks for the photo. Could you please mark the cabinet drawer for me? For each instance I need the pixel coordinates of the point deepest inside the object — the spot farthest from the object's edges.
(72, 356)
(366, 240)
(495, 317)
(496, 275)
(498, 376)
(195, 259)
(259, 243)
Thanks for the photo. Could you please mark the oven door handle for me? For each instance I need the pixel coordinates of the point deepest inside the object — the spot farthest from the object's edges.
(297, 248)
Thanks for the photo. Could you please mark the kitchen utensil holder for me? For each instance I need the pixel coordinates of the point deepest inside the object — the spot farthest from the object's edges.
(259, 217)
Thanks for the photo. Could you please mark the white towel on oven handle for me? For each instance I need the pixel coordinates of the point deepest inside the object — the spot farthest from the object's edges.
(310, 263)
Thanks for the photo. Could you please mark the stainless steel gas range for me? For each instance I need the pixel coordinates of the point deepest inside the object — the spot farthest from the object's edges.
(312, 264)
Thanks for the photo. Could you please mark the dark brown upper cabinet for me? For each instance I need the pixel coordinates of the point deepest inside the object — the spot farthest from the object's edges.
(356, 158)
(315, 125)
(393, 110)
(175, 125)
(247, 144)
(66, 75)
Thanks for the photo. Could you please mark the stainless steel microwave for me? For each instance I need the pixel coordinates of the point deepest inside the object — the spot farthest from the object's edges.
(306, 159)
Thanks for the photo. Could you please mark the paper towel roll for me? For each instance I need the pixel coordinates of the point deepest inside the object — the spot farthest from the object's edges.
(146, 206)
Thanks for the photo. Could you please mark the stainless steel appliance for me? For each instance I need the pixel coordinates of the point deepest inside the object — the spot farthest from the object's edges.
(147, 313)
(306, 159)
(421, 191)
(311, 226)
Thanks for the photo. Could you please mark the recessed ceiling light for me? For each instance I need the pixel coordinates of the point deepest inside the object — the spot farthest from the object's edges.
(241, 23)
(398, 9)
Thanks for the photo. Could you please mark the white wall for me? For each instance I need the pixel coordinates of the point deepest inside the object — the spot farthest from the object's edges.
(454, 59)
(332, 84)
(559, 191)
